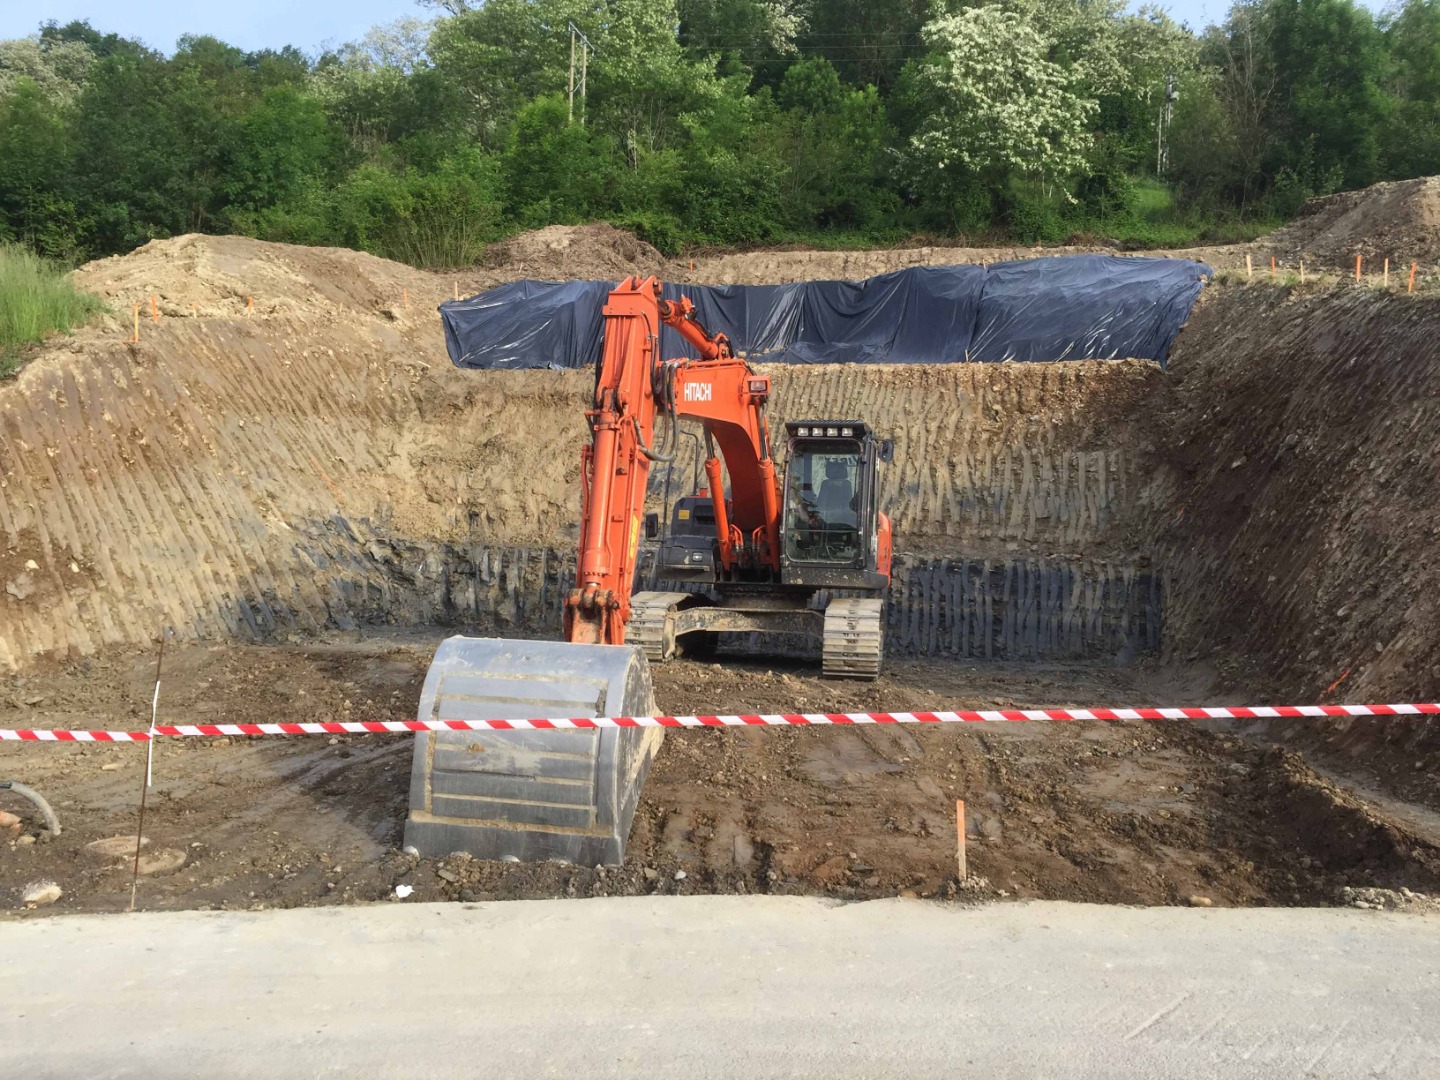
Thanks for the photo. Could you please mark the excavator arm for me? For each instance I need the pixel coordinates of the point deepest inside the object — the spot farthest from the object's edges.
(633, 386)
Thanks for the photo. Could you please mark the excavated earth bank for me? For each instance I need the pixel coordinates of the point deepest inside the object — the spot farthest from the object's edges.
(309, 496)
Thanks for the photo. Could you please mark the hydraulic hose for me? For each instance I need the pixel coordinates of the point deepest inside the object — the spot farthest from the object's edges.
(51, 821)
(655, 455)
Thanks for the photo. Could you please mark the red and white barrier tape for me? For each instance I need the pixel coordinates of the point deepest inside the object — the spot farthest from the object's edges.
(588, 723)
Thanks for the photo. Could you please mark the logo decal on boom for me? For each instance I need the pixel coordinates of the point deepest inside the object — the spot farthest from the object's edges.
(698, 391)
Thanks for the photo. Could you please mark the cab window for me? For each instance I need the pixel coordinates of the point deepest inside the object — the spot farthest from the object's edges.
(823, 500)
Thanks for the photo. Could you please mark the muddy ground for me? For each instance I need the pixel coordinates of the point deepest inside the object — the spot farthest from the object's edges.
(1121, 813)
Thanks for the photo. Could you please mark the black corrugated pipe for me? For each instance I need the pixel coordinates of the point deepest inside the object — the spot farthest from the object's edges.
(51, 821)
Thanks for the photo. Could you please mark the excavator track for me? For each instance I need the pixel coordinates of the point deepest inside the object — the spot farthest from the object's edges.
(652, 623)
(854, 638)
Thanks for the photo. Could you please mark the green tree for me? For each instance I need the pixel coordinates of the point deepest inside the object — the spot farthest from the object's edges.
(100, 45)
(837, 138)
(1412, 144)
(56, 68)
(995, 107)
(150, 139)
(279, 145)
(1224, 137)
(1329, 65)
(506, 54)
(35, 154)
(869, 41)
(556, 172)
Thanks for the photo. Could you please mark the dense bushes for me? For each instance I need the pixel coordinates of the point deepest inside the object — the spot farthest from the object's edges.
(759, 121)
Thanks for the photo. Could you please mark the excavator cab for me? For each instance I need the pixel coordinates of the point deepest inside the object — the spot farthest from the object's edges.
(831, 528)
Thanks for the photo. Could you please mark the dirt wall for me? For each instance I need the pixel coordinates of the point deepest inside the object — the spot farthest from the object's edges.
(287, 448)
(1304, 533)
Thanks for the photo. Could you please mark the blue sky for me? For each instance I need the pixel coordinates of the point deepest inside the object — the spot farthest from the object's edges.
(248, 24)
(308, 24)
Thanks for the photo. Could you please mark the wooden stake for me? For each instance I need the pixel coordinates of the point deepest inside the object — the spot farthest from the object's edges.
(1272, 267)
(1357, 269)
(1385, 275)
(154, 307)
(149, 775)
(960, 866)
(194, 311)
(136, 336)
(405, 297)
(1412, 278)
(1249, 268)
(249, 306)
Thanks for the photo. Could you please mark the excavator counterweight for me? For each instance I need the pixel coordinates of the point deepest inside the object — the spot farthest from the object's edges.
(804, 552)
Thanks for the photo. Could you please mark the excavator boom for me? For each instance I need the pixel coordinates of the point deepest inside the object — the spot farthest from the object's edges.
(632, 387)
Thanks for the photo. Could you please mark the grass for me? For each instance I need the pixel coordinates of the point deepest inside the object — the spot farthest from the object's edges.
(36, 299)
(1154, 201)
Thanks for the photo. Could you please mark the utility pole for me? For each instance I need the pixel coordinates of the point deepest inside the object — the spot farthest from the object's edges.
(578, 35)
(1162, 127)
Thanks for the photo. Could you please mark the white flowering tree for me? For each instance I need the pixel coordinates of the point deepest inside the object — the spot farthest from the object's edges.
(996, 105)
(57, 68)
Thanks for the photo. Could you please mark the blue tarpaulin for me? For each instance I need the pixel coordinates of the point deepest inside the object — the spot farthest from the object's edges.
(1070, 307)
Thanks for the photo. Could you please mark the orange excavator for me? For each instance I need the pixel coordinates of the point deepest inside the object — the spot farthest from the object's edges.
(806, 553)
(766, 569)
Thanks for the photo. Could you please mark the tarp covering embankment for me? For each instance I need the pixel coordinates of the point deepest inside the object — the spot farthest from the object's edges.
(1081, 307)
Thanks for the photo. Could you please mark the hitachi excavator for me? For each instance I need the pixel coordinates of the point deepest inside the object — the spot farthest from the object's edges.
(809, 556)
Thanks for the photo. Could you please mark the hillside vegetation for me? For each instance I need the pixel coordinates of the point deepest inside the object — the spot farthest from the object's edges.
(719, 122)
(36, 298)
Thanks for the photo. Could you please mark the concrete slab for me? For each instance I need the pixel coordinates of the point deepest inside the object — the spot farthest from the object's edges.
(723, 986)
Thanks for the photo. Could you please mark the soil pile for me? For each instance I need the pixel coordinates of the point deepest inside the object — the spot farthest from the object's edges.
(783, 267)
(208, 276)
(244, 471)
(1399, 221)
(574, 252)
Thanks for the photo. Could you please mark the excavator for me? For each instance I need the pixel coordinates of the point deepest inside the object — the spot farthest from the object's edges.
(806, 553)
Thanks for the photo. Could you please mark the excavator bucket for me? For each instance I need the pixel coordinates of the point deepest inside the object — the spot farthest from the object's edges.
(530, 795)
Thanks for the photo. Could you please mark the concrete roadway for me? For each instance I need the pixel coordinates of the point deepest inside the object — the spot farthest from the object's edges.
(723, 986)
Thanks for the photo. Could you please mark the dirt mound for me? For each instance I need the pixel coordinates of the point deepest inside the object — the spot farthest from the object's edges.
(301, 465)
(1306, 512)
(578, 252)
(1399, 221)
(204, 276)
(784, 267)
